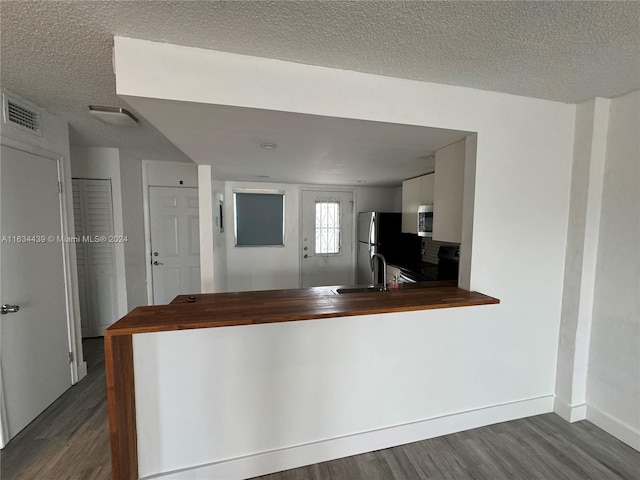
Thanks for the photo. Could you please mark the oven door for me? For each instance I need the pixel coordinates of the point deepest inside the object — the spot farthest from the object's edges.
(404, 278)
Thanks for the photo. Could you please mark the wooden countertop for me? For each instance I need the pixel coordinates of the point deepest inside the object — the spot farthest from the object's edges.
(270, 306)
(242, 308)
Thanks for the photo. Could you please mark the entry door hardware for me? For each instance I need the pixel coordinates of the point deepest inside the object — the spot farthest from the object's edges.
(9, 309)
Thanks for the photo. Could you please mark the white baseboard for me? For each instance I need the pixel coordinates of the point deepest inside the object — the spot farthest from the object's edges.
(299, 455)
(615, 427)
(571, 413)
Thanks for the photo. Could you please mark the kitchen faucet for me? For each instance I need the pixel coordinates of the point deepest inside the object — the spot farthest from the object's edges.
(384, 268)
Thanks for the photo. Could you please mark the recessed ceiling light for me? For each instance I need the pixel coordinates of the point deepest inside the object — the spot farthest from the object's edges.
(268, 146)
(119, 117)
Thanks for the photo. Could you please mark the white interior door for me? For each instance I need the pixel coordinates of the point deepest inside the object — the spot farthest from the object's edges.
(327, 238)
(93, 218)
(34, 353)
(175, 242)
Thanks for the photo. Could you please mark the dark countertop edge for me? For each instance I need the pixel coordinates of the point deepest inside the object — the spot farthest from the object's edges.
(179, 316)
(301, 292)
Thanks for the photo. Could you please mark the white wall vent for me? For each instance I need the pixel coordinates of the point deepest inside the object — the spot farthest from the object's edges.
(22, 116)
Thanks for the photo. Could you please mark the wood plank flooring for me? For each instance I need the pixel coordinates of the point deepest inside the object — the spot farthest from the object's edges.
(70, 441)
(544, 447)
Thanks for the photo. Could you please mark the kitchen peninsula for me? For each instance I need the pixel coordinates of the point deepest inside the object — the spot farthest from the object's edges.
(287, 347)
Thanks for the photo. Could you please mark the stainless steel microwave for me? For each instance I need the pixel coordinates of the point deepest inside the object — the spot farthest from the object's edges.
(425, 220)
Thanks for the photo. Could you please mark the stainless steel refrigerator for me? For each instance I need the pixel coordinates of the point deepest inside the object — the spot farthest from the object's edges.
(377, 233)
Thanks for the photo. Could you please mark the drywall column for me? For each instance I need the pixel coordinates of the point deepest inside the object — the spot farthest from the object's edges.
(468, 199)
(205, 209)
(613, 384)
(587, 176)
(133, 228)
(219, 237)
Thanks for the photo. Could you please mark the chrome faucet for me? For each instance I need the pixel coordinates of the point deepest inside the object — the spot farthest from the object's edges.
(384, 268)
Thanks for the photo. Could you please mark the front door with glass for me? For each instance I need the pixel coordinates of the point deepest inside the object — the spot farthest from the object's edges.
(327, 238)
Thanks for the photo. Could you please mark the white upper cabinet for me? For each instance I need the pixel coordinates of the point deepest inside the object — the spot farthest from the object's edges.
(410, 202)
(448, 193)
(416, 191)
(427, 185)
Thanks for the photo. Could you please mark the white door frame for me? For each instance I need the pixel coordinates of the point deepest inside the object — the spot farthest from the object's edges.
(146, 208)
(354, 223)
(78, 366)
(146, 213)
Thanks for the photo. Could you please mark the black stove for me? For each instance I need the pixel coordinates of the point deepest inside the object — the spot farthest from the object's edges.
(445, 269)
(448, 262)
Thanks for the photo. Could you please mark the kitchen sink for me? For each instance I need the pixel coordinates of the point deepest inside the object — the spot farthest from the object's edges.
(359, 289)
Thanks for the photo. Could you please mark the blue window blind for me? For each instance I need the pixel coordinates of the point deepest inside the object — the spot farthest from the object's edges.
(259, 219)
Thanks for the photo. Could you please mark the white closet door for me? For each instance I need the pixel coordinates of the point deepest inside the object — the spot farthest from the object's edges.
(81, 259)
(93, 214)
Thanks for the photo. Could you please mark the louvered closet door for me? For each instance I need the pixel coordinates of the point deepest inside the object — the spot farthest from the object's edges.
(93, 215)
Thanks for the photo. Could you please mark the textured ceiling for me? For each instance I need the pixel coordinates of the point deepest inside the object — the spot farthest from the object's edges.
(58, 54)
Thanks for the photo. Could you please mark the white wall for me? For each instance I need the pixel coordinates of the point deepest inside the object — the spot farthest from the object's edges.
(170, 174)
(613, 383)
(378, 199)
(495, 356)
(264, 268)
(133, 228)
(312, 390)
(104, 163)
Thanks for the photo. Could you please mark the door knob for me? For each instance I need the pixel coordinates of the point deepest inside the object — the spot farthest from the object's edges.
(9, 309)
(306, 256)
(156, 263)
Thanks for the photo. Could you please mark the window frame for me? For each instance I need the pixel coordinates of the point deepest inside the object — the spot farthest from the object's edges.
(276, 192)
(339, 229)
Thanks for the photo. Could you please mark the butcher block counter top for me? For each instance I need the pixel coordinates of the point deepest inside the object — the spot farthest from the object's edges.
(242, 308)
(271, 306)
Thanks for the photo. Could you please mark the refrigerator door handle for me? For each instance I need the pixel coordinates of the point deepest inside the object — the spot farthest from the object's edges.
(372, 252)
(372, 230)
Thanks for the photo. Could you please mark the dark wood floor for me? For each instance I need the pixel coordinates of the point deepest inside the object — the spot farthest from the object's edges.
(70, 441)
(544, 447)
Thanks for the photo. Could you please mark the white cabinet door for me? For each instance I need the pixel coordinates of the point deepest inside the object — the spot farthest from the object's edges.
(410, 202)
(427, 185)
(448, 193)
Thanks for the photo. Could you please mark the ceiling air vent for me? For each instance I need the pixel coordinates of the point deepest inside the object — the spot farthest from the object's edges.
(21, 116)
